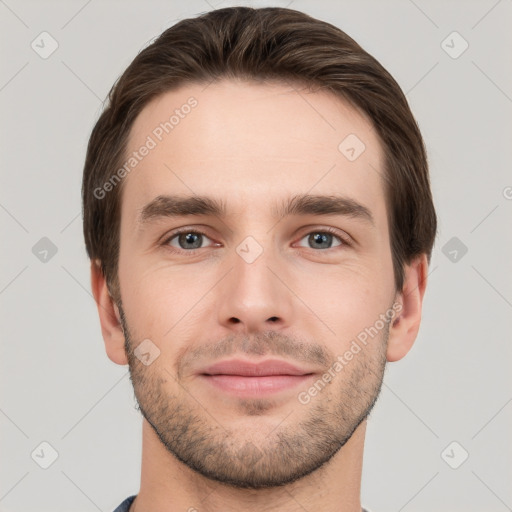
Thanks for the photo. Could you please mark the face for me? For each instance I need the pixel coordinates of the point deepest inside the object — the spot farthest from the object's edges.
(256, 300)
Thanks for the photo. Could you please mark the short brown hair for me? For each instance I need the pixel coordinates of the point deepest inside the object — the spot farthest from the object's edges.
(267, 44)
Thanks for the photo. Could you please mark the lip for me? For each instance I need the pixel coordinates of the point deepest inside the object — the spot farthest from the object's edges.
(243, 368)
(244, 378)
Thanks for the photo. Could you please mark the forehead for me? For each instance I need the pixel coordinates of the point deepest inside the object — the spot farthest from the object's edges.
(250, 143)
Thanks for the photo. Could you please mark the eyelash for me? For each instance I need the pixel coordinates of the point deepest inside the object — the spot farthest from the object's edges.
(343, 239)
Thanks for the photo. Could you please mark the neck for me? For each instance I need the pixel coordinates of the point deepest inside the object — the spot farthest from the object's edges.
(167, 485)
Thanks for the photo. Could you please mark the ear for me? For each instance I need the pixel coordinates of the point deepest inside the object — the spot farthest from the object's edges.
(110, 319)
(404, 328)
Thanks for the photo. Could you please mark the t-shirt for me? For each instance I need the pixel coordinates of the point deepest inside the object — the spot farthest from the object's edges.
(125, 506)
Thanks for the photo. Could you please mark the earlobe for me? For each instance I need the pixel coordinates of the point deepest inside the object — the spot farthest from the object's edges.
(404, 328)
(110, 318)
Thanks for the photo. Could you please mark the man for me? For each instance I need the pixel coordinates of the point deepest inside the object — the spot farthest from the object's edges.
(258, 215)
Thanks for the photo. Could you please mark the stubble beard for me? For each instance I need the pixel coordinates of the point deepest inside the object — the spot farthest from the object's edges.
(305, 440)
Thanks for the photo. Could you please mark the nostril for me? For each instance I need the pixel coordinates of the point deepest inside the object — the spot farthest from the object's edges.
(273, 319)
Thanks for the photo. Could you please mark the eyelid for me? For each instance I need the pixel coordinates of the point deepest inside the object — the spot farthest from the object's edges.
(165, 239)
(344, 237)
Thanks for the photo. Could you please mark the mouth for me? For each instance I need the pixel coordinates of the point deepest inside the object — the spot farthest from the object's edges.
(244, 378)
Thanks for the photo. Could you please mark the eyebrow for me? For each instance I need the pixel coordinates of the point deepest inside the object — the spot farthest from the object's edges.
(169, 206)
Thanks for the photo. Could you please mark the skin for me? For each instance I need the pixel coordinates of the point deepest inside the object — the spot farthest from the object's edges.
(296, 301)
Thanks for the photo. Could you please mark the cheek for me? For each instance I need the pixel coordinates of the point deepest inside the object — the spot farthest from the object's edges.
(160, 300)
(346, 299)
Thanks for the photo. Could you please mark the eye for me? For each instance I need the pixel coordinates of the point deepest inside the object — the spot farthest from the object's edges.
(189, 240)
(322, 240)
(186, 240)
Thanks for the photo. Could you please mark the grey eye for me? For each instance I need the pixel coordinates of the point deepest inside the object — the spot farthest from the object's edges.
(188, 240)
(321, 240)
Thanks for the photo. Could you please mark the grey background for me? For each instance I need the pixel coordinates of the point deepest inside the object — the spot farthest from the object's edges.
(57, 384)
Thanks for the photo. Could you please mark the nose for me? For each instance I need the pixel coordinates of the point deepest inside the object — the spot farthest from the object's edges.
(253, 298)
